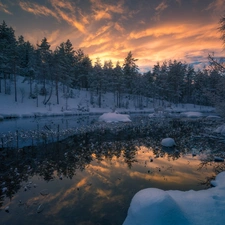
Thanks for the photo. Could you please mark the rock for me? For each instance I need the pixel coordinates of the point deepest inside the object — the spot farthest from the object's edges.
(168, 142)
(218, 159)
(212, 117)
(40, 208)
(44, 192)
(7, 209)
(154, 206)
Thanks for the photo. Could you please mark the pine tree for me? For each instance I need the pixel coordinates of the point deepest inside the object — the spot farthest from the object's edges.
(176, 74)
(98, 81)
(8, 55)
(119, 83)
(82, 70)
(130, 70)
(26, 62)
(44, 53)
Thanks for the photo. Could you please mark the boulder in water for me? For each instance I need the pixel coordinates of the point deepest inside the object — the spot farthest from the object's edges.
(168, 142)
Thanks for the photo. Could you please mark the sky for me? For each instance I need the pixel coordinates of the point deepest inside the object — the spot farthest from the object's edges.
(153, 30)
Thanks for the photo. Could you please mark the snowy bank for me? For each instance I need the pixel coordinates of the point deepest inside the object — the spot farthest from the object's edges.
(192, 114)
(114, 118)
(157, 207)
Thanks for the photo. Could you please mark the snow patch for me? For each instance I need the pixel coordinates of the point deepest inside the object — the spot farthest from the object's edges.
(192, 114)
(220, 130)
(114, 118)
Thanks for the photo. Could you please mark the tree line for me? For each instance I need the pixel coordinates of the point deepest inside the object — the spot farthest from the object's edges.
(66, 68)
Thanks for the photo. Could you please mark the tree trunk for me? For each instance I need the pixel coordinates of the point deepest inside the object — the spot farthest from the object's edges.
(15, 83)
(31, 87)
(5, 83)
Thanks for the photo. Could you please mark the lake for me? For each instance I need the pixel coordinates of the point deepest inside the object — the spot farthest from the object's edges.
(76, 170)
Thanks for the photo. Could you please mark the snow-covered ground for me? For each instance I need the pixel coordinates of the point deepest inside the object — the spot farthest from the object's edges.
(78, 103)
(157, 207)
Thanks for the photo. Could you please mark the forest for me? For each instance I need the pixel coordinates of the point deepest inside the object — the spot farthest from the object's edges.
(67, 68)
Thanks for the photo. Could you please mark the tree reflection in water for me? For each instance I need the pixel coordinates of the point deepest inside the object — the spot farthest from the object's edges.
(103, 142)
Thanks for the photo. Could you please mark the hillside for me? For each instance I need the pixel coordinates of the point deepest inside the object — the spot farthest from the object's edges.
(79, 102)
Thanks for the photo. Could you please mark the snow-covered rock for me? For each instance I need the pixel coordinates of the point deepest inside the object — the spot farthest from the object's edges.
(114, 117)
(218, 159)
(213, 117)
(220, 130)
(192, 114)
(154, 206)
(168, 142)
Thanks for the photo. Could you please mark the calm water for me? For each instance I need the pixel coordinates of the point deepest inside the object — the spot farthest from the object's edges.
(91, 176)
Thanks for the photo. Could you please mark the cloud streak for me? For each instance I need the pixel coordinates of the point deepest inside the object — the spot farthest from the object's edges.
(36, 9)
(4, 9)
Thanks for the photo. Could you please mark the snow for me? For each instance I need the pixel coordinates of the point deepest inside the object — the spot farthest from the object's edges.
(153, 206)
(149, 206)
(192, 114)
(220, 130)
(168, 142)
(114, 118)
(213, 117)
(80, 103)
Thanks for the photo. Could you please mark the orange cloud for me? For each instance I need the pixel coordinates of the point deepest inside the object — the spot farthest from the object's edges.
(161, 7)
(69, 15)
(217, 7)
(4, 8)
(37, 9)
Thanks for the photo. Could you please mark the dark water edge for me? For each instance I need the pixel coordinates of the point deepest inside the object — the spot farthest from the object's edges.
(91, 176)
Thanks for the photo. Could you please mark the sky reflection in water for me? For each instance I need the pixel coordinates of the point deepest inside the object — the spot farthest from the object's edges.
(101, 193)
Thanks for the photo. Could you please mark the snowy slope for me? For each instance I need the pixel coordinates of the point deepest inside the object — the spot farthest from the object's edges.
(78, 103)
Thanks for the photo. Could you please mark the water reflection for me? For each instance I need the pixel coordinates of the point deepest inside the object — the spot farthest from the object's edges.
(90, 178)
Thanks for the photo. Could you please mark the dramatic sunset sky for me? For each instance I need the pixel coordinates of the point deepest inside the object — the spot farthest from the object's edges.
(154, 30)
